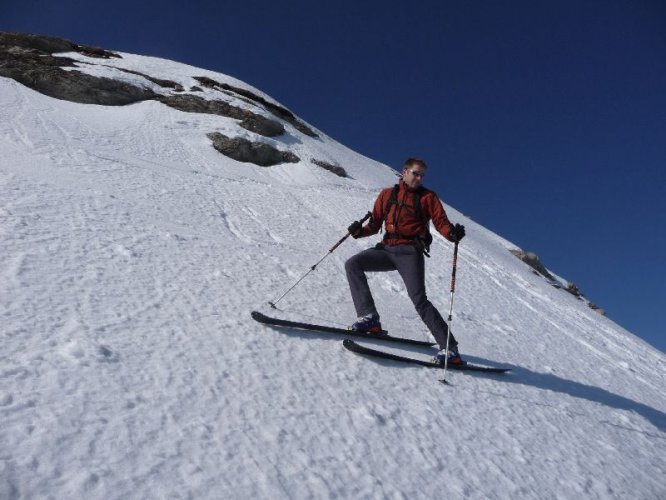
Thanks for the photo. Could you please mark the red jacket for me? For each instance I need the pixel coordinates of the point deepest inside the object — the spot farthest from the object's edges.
(407, 221)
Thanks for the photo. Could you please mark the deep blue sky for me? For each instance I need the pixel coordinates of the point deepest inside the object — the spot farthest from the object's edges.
(545, 121)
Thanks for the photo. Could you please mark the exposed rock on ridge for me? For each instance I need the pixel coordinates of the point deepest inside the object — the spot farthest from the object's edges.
(29, 60)
(250, 121)
(532, 260)
(336, 169)
(279, 111)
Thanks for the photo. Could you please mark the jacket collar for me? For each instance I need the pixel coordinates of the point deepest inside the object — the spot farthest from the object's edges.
(405, 187)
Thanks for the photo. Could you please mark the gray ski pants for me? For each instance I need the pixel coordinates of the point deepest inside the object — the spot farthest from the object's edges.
(409, 262)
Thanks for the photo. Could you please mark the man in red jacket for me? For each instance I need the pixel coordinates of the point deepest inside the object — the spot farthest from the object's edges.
(406, 211)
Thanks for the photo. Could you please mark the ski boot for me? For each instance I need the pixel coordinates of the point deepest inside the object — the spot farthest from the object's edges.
(368, 324)
(454, 357)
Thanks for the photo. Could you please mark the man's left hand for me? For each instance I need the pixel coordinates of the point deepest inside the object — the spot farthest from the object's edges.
(457, 233)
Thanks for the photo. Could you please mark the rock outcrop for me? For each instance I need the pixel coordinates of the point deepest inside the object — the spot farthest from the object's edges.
(336, 169)
(246, 151)
(31, 60)
(532, 260)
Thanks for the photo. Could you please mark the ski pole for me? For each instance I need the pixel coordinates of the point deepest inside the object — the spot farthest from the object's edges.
(450, 319)
(272, 304)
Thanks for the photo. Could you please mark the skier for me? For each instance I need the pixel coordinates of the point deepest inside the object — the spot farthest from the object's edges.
(405, 210)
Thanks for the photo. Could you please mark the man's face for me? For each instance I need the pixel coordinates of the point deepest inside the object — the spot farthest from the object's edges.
(413, 176)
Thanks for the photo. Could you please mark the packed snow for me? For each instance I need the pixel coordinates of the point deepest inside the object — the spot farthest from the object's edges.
(132, 256)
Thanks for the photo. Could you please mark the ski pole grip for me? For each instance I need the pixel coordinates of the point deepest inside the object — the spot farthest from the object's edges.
(366, 217)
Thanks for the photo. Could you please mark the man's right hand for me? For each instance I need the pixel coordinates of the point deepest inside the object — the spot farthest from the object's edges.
(355, 229)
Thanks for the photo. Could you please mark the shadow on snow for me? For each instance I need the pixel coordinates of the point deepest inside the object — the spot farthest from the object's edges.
(518, 375)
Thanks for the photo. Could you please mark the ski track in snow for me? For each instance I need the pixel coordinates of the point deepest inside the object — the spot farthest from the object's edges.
(132, 255)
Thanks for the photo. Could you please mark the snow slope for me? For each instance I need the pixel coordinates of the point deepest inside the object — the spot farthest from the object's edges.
(132, 255)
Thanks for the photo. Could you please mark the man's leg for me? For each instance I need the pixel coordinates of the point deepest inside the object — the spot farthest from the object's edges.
(370, 260)
(410, 264)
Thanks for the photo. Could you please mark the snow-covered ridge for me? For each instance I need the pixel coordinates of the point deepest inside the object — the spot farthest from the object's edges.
(133, 253)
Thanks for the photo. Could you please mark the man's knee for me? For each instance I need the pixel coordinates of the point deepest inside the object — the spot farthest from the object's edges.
(420, 301)
(350, 264)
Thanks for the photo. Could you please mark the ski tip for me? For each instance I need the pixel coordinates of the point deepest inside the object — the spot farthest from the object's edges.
(444, 381)
(257, 316)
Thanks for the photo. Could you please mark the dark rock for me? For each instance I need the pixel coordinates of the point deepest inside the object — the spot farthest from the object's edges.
(78, 87)
(249, 120)
(247, 151)
(263, 126)
(168, 84)
(336, 169)
(50, 45)
(538, 268)
(532, 260)
(574, 290)
(278, 111)
(28, 59)
(303, 128)
(207, 82)
(195, 104)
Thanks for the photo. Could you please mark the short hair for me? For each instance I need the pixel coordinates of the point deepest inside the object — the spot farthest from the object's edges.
(410, 162)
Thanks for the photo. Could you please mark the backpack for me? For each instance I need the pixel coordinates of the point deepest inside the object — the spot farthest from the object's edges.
(422, 243)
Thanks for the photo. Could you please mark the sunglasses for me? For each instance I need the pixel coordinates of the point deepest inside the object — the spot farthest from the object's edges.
(416, 173)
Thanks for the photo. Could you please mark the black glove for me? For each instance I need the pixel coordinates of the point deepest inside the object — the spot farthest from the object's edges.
(355, 229)
(457, 233)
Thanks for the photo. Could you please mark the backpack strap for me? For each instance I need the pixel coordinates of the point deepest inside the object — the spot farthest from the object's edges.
(417, 203)
(393, 200)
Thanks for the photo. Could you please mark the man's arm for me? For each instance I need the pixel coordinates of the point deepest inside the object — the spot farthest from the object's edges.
(375, 223)
(438, 215)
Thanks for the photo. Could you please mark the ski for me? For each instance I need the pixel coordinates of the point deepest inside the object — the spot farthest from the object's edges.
(267, 320)
(359, 349)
